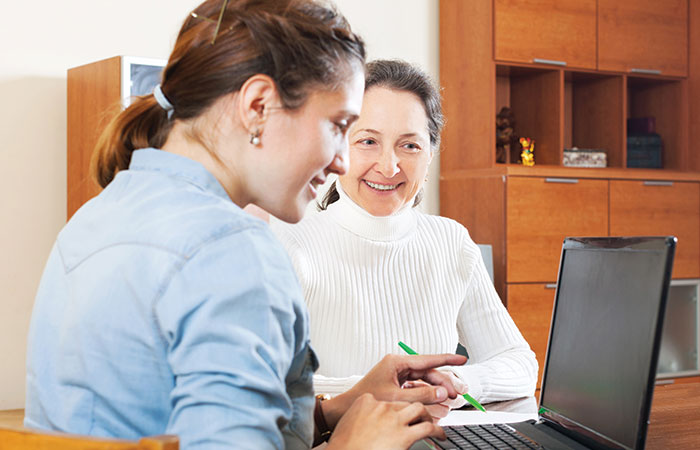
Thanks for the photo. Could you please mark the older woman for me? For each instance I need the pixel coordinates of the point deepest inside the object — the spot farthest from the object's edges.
(375, 270)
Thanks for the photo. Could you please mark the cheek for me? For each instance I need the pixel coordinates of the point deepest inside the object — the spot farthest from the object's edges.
(361, 161)
(417, 170)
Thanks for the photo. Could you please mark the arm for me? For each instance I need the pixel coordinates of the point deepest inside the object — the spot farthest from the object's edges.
(334, 386)
(501, 365)
(229, 325)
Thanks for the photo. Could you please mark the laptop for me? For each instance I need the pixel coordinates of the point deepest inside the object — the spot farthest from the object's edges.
(603, 350)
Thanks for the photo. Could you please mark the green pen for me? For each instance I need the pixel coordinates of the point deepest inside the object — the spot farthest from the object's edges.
(467, 397)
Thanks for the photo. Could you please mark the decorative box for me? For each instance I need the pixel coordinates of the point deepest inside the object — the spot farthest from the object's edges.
(645, 151)
(584, 157)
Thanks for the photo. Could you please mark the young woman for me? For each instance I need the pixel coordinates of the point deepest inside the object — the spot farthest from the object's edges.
(164, 308)
(375, 271)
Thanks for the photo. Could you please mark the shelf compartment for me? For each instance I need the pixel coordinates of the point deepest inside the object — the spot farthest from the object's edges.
(666, 101)
(536, 99)
(593, 114)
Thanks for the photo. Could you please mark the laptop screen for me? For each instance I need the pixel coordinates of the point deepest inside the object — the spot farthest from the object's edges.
(602, 338)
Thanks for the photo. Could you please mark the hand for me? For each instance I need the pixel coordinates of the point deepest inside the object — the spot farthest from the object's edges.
(441, 410)
(383, 425)
(385, 379)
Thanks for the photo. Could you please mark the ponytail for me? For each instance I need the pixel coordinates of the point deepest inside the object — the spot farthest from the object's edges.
(143, 124)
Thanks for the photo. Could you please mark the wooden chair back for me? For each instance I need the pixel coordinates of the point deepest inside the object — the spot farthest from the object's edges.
(27, 439)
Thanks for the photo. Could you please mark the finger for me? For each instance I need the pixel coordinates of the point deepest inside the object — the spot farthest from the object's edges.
(414, 383)
(436, 378)
(424, 430)
(398, 405)
(425, 394)
(454, 403)
(439, 410)
(427, 362)
(414, 413)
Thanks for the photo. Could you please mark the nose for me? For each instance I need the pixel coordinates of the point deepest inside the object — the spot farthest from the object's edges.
(387, 163)
(340, 163)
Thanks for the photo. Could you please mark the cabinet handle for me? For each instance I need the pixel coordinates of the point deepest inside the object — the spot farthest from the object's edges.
(550, 286)
(552, 62)
(561, 180)
(657, 183)
(646, 71)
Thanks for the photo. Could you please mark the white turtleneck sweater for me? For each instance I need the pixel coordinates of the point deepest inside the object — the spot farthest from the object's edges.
(370, 282)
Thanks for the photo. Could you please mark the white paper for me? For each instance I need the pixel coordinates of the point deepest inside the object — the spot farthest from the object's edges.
(458, 417)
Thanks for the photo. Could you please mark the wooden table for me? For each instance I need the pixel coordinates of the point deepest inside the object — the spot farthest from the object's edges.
(674, 422)
(675, 417)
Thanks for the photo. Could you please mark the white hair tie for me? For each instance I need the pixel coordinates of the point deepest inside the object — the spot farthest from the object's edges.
(163, 101)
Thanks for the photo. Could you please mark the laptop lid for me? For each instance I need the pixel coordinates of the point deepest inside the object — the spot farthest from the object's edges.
(604, 338)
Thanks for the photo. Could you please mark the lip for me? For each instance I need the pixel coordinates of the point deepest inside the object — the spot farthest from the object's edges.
(314, 184)
(377, 191)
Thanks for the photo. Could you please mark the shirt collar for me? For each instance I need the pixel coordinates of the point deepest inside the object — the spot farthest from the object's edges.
(152, 159)
(354, 218)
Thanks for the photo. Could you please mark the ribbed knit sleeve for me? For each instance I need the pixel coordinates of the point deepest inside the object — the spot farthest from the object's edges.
(501, 364)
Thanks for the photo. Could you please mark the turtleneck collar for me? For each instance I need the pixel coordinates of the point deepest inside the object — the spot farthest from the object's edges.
(357, 220)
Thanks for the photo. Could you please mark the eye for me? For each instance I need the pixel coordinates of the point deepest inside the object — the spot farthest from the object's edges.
(366, 142)
(411, 147)
(342, 125)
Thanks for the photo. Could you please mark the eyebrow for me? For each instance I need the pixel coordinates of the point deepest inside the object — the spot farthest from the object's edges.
(352, 118)
(401, 136)
(368, 130)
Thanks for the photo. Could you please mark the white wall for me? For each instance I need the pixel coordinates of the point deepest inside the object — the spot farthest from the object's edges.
(39, 41)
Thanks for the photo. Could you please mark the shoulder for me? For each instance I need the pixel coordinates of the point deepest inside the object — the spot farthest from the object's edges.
(443, 227)
(452, 237)
(154, 215)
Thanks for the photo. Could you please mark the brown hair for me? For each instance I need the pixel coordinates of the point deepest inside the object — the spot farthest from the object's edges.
(300, 44)
(402, 76)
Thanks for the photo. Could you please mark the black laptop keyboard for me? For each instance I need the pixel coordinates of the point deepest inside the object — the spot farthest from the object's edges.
(484, 436)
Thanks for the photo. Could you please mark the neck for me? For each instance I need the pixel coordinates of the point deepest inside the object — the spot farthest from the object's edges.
(181, 142)
(354, 218)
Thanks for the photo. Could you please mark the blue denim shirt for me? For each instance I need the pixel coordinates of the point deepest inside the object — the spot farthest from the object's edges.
(164, 308)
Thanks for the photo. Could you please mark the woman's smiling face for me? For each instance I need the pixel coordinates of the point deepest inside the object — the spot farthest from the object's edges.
(389, 151)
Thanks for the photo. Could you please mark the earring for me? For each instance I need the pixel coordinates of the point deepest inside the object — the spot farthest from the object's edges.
(255, 138)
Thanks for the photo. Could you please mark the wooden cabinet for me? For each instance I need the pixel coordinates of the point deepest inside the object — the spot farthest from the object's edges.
(530, 306)
(96, 93)
(638, 36)
(647, 36)
(487, 61)
(93, 94)
(660, 208)
(546, 31)
(541, 212)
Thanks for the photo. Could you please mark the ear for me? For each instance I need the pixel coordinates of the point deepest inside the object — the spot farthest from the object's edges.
(255, 98)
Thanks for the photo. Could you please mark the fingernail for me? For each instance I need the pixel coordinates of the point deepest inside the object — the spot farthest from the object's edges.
(440, 394)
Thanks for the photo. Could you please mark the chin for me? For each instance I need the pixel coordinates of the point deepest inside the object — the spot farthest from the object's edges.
(291, 215)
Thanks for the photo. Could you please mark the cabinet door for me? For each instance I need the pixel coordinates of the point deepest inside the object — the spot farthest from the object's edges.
(653, 208)
(530, 306)
(541, 212)
(555, 30)
(643, 35)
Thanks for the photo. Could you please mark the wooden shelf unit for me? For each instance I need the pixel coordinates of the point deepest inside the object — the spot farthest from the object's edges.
(487, 61)
(564, 108)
